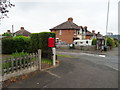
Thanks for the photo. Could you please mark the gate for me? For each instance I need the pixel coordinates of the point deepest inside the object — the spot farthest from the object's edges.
(47, 58)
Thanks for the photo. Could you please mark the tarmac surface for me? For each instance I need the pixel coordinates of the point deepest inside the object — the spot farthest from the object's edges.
(73, 72)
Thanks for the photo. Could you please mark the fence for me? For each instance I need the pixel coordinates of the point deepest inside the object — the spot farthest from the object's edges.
(21, 65)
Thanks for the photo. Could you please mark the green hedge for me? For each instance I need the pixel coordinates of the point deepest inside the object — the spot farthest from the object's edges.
(40, 41)
(13, 44)
(94, 41)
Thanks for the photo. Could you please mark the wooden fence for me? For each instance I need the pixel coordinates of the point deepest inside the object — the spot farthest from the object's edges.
(11, 64)
(21, 65)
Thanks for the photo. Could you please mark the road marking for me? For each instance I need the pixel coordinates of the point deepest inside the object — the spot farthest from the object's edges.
(53, 74)
(112, 67)
(93, 54)
(97, 55)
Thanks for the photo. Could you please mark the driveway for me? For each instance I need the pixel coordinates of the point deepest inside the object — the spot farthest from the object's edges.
(73, 72)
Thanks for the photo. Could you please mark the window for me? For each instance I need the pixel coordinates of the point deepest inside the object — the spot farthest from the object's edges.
(76, 43)
(81, 42)
(60, 32)
(87, 42)
(74, 32)
(78, 32)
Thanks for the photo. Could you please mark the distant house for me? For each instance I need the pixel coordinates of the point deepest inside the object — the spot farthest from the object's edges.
(69, 31)
(23, 32)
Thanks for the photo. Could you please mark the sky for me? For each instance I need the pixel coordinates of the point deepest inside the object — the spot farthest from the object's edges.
(41, 15)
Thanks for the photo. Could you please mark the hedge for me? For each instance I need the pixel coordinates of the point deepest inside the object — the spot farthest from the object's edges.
(13, 44)
(40, 41)
(94, 41)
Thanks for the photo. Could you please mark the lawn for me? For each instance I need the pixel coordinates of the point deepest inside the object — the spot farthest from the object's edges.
(68, 56)
(46, 61)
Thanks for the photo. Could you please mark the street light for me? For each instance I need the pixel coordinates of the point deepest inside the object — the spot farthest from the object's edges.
(107, 23)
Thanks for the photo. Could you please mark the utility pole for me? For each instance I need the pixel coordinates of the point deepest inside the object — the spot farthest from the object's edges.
(12, 30)
(107, 22)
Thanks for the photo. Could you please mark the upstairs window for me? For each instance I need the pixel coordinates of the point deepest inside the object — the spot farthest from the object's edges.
(60, 32)
(75, 32)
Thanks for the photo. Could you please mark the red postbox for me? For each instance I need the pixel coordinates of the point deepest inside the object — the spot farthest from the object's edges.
(51, 42)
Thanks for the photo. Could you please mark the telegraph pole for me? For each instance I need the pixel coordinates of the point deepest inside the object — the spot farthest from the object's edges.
(12, 30)
(107, 22)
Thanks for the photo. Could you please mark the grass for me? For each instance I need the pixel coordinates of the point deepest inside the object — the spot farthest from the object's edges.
(68, 56)
(46, 61)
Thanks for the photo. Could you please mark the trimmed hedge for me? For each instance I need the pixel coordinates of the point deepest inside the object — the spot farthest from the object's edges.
(13, 44)
(94, 41)
(40, 41)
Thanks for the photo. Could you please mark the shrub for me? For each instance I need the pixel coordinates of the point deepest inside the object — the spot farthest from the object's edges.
(34, 42)
(94, 41)
(110, 42)
(7, 34)
(40, 41)
(13, 44)
(19, 54)
(8, 46)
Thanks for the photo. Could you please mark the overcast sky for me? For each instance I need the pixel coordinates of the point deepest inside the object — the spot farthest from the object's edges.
(41, 15)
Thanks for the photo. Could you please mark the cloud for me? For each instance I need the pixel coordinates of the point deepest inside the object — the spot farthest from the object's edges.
(41, 15)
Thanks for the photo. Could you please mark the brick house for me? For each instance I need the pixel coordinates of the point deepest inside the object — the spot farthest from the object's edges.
(69, 31)
(23, 32)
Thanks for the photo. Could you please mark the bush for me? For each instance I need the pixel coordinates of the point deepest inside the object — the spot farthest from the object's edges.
(13, 44)
(40, 41)
(94, 41)
(19, 54)
(8, 46)
(111, 42)
(7, 34)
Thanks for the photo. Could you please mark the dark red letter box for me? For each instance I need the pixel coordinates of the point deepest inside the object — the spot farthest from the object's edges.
(51, 42)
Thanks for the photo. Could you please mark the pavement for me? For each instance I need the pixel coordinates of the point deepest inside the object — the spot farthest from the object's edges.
(73, 72)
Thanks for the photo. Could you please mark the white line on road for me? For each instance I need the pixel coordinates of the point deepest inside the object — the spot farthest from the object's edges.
(112, 67)
(53, 74)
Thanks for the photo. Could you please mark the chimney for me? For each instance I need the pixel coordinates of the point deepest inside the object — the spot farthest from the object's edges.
(98, 32)
(70, 19)
(8, 31)
(93, 31)
(22, 28)
(85, 27)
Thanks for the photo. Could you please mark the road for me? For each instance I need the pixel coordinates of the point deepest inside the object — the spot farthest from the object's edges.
(109, 59)
(77, 71)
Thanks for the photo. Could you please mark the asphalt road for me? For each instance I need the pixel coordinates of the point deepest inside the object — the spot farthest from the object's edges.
(109, 58)
(78, 71)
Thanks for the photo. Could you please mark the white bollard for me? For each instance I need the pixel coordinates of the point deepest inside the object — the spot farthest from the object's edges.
(54, 56)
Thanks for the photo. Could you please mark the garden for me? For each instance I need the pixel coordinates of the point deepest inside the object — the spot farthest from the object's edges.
(20, 51)
(111, 42)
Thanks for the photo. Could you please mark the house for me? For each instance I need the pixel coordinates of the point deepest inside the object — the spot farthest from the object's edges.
(23, 32)
(69, 31)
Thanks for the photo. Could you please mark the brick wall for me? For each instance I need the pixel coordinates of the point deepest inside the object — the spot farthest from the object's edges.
(67, 35)
(88, 37)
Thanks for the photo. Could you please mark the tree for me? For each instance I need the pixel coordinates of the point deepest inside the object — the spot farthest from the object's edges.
(4, 5)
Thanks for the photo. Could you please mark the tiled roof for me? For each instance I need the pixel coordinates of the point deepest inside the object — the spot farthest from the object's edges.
(68, 25)
(23, 32)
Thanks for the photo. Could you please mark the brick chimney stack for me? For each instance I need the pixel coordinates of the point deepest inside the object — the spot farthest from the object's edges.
(98, 32)
(70, 19)
(8, 31)
(93, 31)
(85, 27)
(22, 28)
